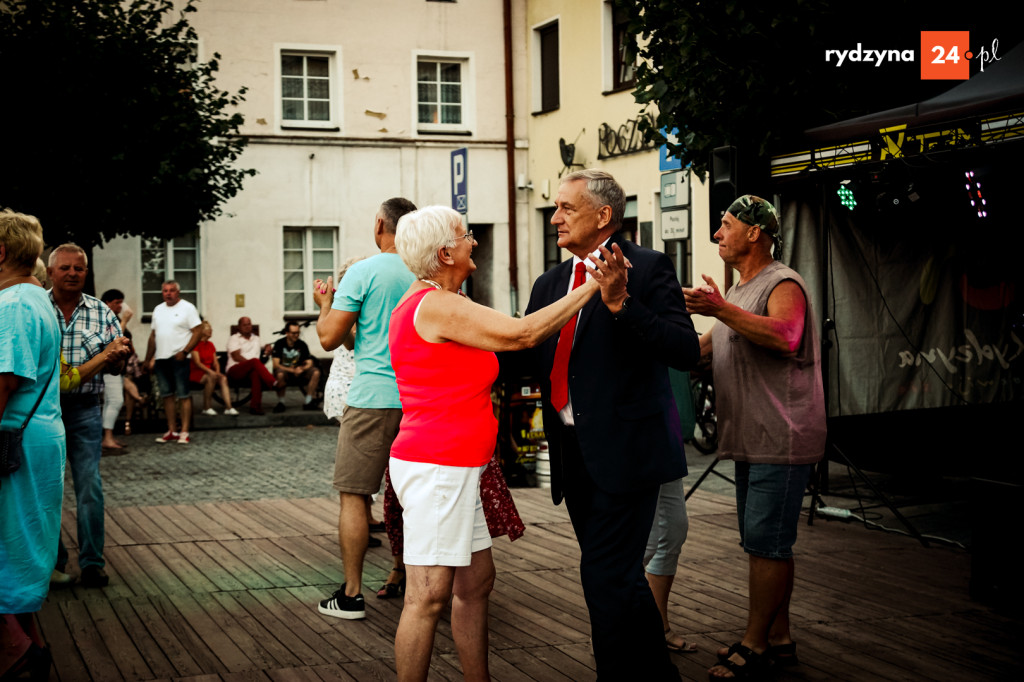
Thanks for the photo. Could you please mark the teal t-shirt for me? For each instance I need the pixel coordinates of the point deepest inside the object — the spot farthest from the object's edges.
(372, 288)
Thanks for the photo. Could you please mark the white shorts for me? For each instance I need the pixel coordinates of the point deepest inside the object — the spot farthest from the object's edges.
(442, 514)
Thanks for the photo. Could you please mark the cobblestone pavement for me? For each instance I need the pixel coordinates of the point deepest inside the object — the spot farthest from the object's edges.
(225, 465)
(275, 462)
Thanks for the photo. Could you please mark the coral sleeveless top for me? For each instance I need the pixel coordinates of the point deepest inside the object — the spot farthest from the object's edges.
(447, 417)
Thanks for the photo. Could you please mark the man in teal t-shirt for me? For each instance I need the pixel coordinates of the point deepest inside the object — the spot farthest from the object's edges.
(365, 298)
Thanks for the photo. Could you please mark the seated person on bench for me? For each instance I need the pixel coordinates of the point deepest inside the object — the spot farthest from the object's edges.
(245, 360)
(294, 366)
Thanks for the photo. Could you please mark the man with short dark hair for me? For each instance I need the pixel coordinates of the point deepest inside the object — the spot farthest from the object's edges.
(294, 366)
(247, 358)
(610, 415)
(366, 296)
(176, 327)
(89, 326)
(771, 417)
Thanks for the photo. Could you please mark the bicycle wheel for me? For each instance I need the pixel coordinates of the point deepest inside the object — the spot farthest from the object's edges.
(705, 431)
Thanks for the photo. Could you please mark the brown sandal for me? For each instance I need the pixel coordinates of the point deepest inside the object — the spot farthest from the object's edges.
(684, 648)
(391, 590)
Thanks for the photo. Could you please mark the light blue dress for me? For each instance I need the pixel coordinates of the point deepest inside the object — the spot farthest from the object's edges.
(30, 498)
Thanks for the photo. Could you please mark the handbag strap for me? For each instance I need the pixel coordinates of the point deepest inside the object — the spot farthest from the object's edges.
(40, 398)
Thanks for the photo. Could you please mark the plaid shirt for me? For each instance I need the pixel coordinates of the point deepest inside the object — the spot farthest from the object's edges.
(93, 326)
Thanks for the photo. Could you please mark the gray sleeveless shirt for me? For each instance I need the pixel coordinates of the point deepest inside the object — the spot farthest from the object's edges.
(771, 407)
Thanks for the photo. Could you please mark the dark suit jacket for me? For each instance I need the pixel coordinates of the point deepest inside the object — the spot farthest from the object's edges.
(626, 418)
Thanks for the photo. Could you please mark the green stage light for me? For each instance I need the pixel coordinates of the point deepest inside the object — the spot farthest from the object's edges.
(846, 195)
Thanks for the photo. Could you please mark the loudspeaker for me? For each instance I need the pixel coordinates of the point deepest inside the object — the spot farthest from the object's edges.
(723, 187)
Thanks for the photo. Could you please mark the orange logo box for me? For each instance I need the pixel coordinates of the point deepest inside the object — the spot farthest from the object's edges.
(945, 55)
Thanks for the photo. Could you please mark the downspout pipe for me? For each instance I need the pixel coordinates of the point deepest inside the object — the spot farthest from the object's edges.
(510, 148)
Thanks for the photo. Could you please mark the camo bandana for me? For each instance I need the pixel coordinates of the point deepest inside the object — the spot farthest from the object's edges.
(754, 210)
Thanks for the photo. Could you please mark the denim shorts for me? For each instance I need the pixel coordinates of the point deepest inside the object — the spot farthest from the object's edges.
(768, 502)
(172, 377)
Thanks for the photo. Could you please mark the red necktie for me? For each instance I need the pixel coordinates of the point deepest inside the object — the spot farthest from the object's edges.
(560, 369)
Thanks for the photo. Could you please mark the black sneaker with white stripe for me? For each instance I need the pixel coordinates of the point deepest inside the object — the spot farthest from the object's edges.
(340, 606)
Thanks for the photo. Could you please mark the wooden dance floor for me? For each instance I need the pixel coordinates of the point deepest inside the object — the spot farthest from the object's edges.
(227, 591)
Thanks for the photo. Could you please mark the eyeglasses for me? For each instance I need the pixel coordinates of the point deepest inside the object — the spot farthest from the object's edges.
(468, 236)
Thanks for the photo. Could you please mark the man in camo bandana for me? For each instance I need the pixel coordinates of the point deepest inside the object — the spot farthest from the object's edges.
(756, 211)
(771, 418)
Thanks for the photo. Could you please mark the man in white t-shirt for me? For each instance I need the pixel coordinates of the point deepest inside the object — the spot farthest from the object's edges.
(175, 332)
(247, 358)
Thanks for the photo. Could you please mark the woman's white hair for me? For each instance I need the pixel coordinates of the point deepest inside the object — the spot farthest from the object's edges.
(421, 234)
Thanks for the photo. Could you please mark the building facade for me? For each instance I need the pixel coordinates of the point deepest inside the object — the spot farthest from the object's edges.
(350, 103)
(582, 115)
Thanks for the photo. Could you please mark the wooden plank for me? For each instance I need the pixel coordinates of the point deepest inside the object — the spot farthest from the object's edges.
(149, 649)
(95, 655)
(536, 668)
(221, 577)
(212, 528)
(178, 527)
(149, 562)
(266, 614)
(236, 520)
(183, 569)
(332, 673)
(219, 552)
(226, 656)
(152, 532)
(326, 562)
(57, 635)
(184, 650)
(130, 574)
(366, 638)
(277, 525)
(303, 518)
(119, 643)
(248, 637)
(114, 534)
(280, 551)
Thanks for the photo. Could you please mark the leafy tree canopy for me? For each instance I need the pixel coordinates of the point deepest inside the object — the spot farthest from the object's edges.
(754, 75)
(111, 127)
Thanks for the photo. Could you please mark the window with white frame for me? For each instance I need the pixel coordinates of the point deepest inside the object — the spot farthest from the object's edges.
(442, 94)
(308, 98)
(164, 260)
(309, 254)
(545, 76)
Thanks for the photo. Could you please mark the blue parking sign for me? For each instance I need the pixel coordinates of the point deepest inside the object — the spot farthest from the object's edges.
(460, 181)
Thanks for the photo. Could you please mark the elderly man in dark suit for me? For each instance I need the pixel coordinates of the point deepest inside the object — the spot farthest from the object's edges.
(610, 415)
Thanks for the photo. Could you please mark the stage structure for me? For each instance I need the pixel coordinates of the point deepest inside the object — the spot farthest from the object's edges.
(906, 225)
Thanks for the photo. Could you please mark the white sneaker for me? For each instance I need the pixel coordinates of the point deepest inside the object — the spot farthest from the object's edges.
(209, 412)
(231, 412)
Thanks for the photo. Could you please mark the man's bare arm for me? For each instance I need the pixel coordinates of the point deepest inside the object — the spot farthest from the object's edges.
(780, 330)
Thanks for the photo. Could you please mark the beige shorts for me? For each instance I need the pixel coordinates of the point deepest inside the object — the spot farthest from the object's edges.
(364, 446)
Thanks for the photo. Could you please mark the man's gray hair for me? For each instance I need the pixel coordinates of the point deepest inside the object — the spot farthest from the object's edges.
(67, 248)
(601, 190)
(171, 281)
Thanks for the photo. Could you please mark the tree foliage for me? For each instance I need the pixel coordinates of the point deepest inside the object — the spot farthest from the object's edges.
(111, 125)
